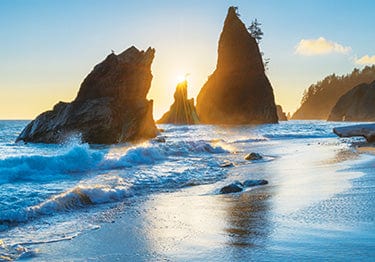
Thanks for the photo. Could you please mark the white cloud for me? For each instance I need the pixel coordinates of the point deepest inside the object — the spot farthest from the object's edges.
(366, 60)
(320, 46)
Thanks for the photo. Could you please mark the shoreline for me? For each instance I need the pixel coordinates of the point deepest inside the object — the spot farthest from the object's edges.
(169, 226)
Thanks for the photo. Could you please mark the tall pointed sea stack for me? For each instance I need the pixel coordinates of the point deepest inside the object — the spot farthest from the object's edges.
(182, 111)
(238, 92)
(110, 107)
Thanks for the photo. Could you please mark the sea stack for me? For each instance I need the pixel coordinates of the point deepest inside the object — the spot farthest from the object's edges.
(238, 92)
(281, 114)
(355, 105)
(111, 105)
(182, 111)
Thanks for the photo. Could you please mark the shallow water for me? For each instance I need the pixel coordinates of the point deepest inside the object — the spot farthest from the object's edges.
(57, 192)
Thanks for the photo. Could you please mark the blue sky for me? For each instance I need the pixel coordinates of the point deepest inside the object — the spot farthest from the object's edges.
(48, 47)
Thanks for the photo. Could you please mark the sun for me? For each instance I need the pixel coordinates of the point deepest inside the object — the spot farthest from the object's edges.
(182, 78)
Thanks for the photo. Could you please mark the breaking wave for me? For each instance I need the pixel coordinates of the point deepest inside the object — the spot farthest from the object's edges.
(102, 186)
(82, 159)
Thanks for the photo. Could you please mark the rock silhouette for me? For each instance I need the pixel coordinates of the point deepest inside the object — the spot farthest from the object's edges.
(182, 111)
(355, 105)
(238, 92)
(110, 107)
(281, 114)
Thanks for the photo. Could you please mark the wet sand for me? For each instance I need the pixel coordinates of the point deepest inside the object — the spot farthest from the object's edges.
(366, 149)
(319, 205)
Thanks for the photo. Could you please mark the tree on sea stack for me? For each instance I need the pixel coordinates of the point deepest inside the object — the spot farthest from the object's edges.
(238, 91)
(257, 33)
(255, 30)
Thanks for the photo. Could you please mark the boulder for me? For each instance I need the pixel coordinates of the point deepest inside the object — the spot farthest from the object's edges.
(182, 111)
(227, 164)
(365, 130)
(238, 186)
(355, 105)
(159, 139)
(232, 188)
(253, 156)
(281, 114)
(111, 105)
(238, 91)
(251, 183)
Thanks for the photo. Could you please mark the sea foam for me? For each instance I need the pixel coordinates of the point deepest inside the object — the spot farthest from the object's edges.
(88, 171)
(82, 159)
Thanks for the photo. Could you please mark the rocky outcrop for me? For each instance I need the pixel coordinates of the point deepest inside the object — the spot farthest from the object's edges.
(237, 186)
(320, 98)
(280, 113)
(110, 107)
(238, 92)
(182, 111)
(365, 130)
(355, 105)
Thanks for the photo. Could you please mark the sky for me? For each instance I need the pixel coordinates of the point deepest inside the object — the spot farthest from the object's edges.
(47, 47)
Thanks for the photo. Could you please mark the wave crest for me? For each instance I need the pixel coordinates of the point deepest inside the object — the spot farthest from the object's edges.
(82, 159)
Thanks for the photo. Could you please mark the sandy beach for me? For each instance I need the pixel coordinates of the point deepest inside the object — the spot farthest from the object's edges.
(319, 205)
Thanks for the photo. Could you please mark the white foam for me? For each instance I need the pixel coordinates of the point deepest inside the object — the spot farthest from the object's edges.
(77, 197)
(80, 196)
(82, 159)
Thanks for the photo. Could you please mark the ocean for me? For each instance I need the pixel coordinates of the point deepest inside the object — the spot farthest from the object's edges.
(319, 202)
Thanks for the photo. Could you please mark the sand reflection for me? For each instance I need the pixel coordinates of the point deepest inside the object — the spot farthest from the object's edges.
(305, 176)
(247, 222)
(186, 224)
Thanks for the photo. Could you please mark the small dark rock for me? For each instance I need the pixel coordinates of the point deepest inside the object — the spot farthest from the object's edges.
(253, 156)
(226, 164)
(159, 139)
(232, 188)
(251, 183)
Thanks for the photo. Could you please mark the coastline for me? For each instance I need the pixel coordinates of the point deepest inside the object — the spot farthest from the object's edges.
(264, 149)
(195, 224)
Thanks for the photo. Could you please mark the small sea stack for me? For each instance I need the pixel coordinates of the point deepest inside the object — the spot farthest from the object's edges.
(281, 114)
(111, 105)
(238, 91)
(182, 111)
